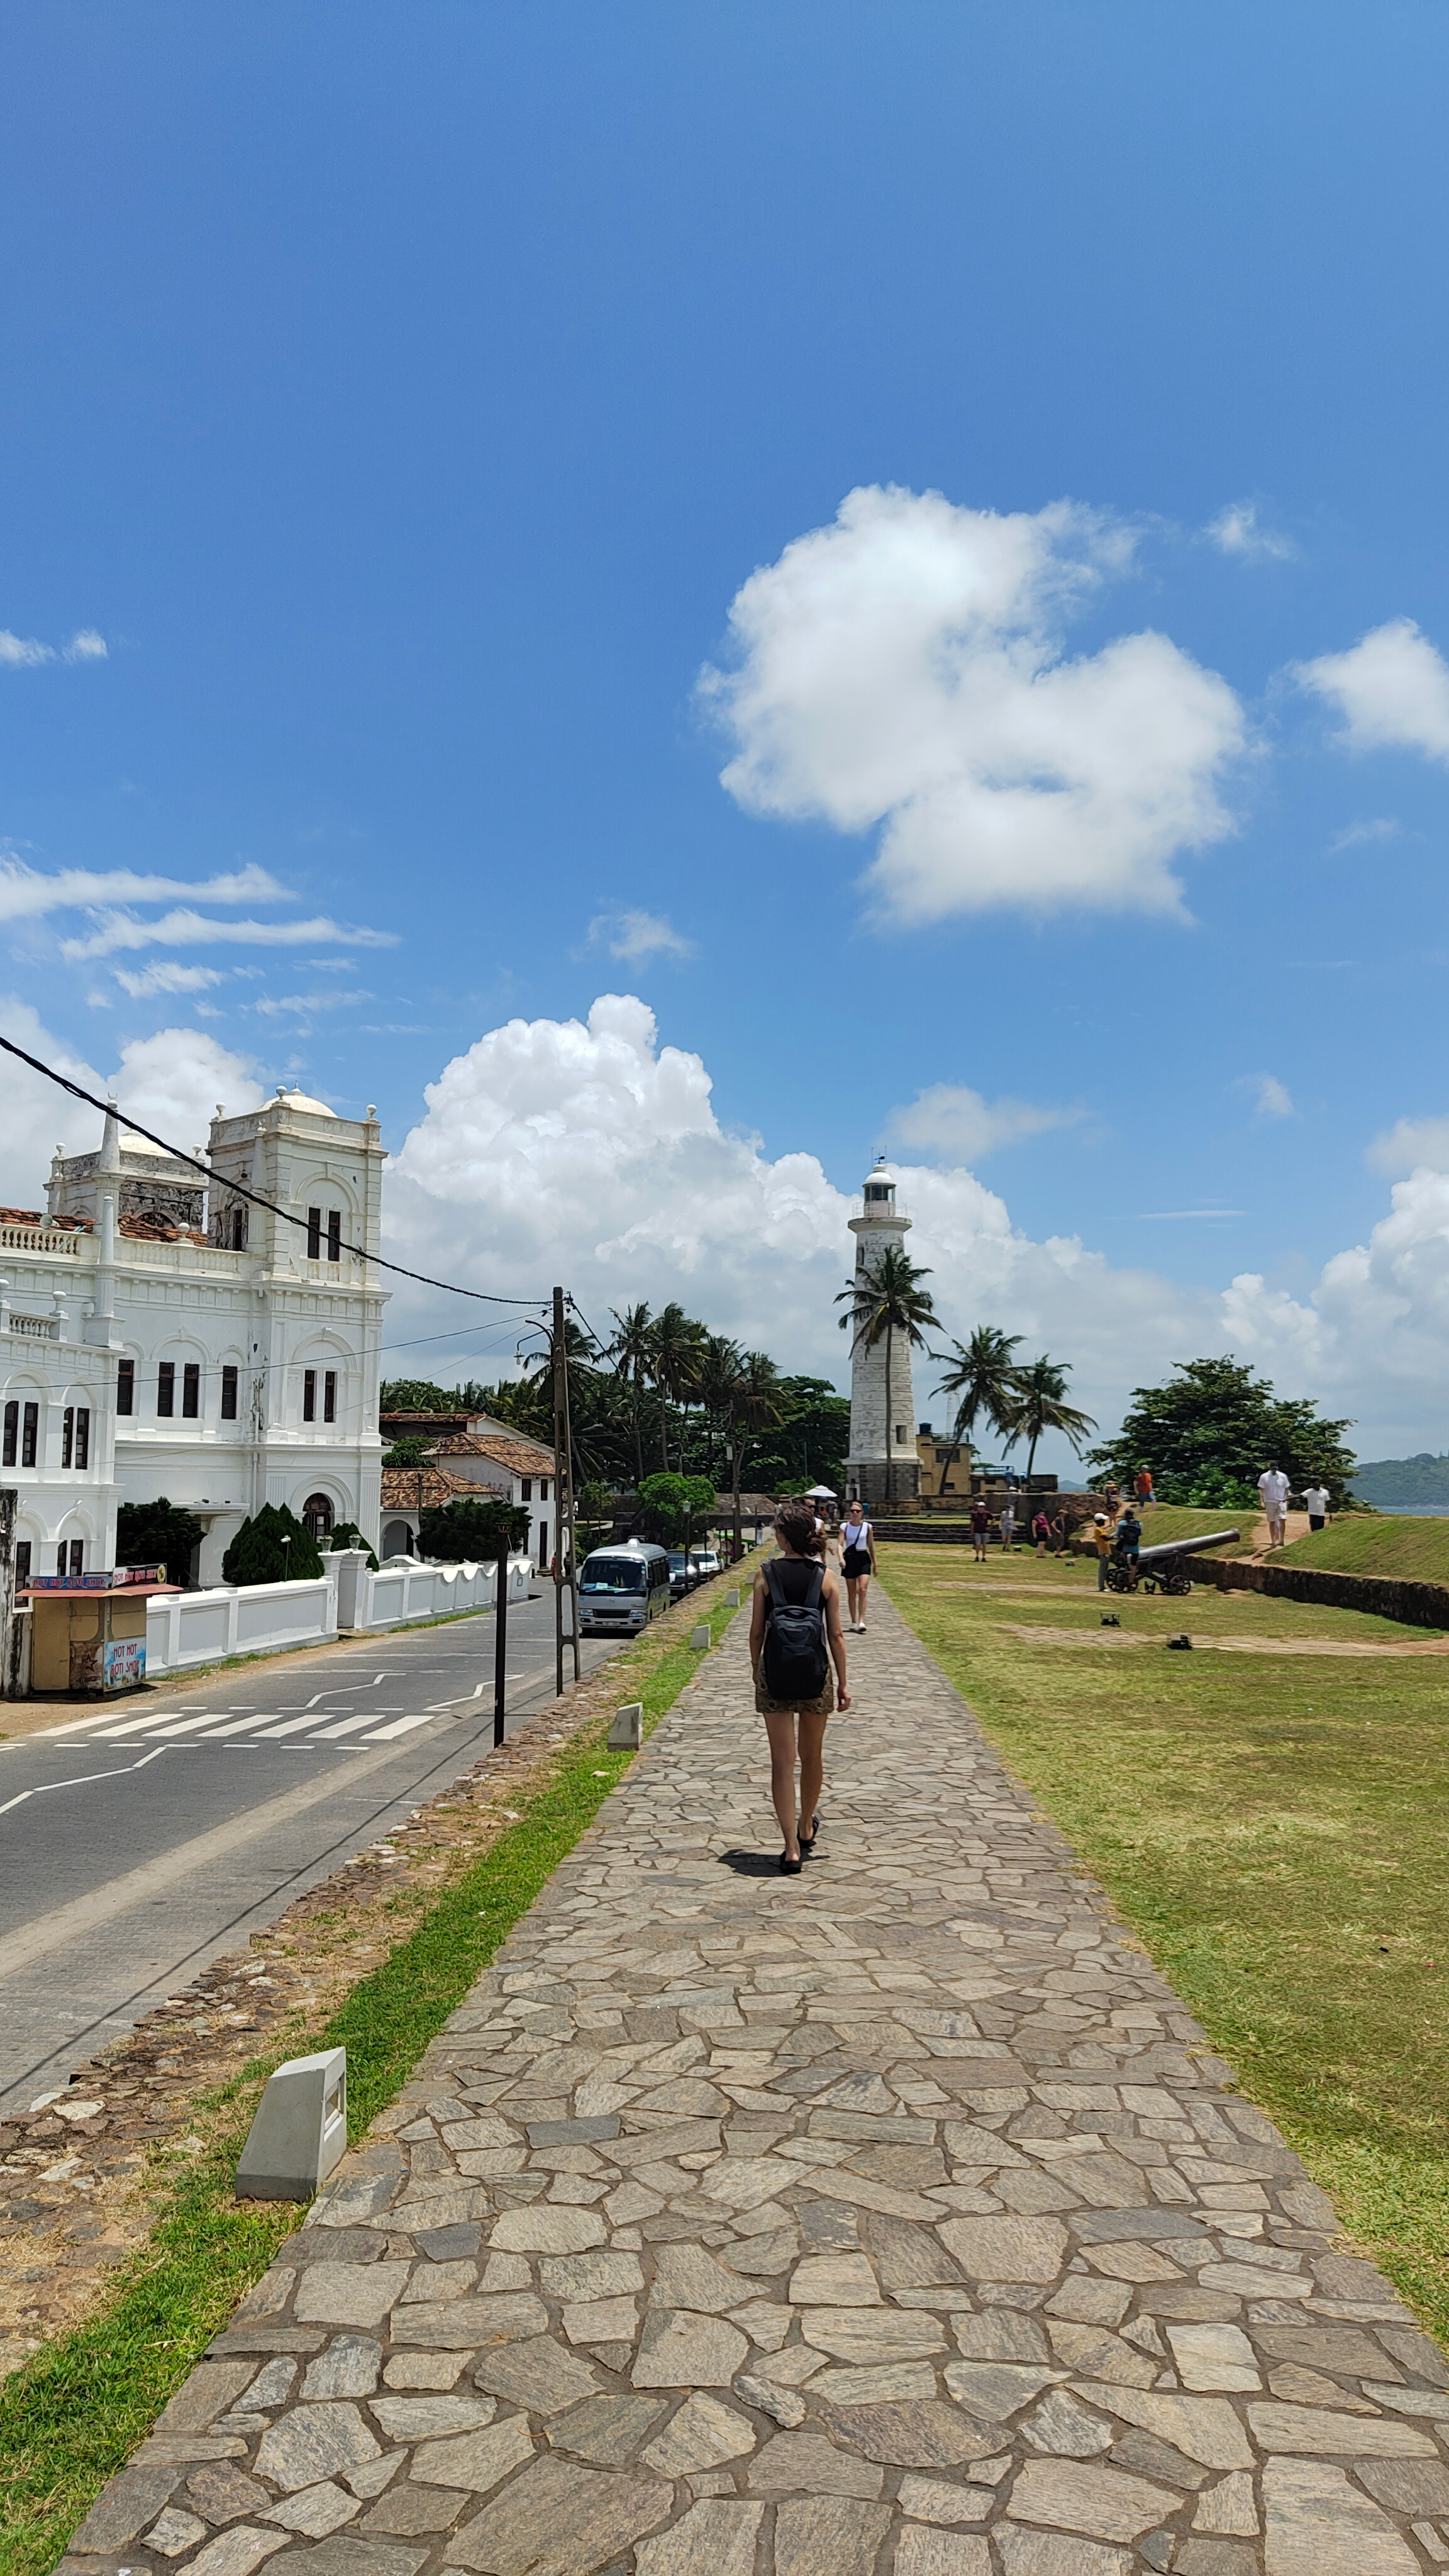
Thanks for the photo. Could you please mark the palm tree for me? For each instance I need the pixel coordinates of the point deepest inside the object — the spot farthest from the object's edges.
(1038, 1405)
(632, 1352)
(674, 1346)
(719, 1369)
(882, 1300)
(759, 1404)
(982, 1377)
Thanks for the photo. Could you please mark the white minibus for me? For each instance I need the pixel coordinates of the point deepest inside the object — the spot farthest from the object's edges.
(622, 1588)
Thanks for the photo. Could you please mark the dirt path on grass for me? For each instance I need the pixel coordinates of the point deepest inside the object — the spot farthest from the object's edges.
(1239, 1645)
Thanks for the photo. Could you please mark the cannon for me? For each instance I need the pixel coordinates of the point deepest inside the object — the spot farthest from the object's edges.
(1162, 1569)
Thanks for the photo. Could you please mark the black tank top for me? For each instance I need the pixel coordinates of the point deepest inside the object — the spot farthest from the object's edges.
(794, 1575)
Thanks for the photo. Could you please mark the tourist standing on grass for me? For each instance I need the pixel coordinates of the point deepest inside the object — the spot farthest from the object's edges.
(1316, 1501)
(795, 1637)
(1058, 1526)
(1041, 1530)
(1127, 1545)
(857, 1564)
(980, 1529)
(1008, 1525)
(1102, 1540)
(1273, 1488)
(1143, 1494)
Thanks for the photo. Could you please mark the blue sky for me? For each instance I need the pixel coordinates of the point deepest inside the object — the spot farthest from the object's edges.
(404, 396)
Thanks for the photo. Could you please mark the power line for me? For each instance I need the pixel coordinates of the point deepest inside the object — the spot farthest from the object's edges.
(239, 1189)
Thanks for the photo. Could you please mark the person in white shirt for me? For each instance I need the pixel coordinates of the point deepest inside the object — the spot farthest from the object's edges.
(857, 1562)
(1273, 1488)
(1316, 1499)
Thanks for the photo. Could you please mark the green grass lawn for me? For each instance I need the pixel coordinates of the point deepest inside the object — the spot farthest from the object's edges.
(1369, 1543)
(1177, 1520)
(1276, 1830)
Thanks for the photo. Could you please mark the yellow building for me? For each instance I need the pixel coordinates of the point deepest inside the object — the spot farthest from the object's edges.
(945, 1470)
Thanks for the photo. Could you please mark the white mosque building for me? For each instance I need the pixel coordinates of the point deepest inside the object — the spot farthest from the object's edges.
(883, 1465)
(160, 1334)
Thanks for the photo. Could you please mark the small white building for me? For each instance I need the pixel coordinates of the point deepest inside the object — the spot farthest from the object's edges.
(486, 1458)
(882, 1466)
(160, 1335)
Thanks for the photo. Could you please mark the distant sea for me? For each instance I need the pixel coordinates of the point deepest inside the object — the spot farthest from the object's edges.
(1415, 1511)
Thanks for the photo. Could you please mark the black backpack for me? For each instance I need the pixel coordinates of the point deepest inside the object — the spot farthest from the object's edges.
(796, 1658)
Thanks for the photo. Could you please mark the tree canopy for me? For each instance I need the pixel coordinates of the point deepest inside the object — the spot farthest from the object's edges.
(473, 1529)
(1215, 1427)
(158, 1533)
(677, 1507)
(258, 1554)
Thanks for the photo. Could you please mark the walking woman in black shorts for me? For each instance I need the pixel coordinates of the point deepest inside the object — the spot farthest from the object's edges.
(857, 1563)
(797, 1725)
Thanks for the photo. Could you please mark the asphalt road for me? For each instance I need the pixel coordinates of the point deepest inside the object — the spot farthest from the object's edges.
(140, 1839)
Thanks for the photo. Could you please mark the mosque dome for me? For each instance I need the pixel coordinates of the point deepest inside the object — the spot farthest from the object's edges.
(302, 1100)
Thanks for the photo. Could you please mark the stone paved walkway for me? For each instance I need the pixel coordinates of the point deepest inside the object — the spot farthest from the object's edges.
(891, 2218)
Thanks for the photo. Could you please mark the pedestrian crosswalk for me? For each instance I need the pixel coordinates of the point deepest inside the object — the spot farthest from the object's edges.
(326, 1718)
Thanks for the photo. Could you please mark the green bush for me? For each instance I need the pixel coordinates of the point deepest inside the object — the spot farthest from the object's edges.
(1212, 1489)
(256, 1554)
(158, 1533)
(478, 1531)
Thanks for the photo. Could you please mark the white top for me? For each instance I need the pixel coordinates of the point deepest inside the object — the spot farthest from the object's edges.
(1273, 1486)
(855, 1534)
(1317, 1501)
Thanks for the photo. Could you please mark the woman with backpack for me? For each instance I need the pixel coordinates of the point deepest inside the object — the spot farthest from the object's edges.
(857, 1559)
(795, 1636)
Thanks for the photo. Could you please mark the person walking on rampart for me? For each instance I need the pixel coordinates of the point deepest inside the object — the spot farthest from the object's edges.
(795, 1637)
(1273, 1488)
(857, 1564)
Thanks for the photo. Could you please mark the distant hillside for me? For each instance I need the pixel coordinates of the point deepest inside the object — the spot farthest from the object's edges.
(1392, 1483)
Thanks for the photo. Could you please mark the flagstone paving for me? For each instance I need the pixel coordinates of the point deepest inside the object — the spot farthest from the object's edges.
(894, 2218)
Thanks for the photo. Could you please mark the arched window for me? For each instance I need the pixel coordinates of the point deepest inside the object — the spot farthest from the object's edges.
(317, 1513)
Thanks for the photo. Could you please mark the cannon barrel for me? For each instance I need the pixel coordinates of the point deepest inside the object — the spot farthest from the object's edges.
(1184, 1546)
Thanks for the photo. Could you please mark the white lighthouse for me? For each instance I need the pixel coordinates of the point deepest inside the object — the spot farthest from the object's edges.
(882, 1466)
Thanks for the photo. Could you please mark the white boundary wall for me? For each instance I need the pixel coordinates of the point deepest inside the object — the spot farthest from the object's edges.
(188, 1628)
(410, 1588)
(185, 1628)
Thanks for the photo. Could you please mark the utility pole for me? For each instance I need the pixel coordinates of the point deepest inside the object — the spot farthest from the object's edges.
(564, 1570)
(500, 1643)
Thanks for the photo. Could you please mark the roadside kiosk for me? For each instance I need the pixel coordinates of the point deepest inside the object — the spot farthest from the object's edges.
(88, 1631)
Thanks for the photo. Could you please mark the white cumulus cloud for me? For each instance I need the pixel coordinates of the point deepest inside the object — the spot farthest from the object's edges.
(588, 1153)
(905, 667)
(1410, 1143)
(172, 1082)
(1238, 531)
(633, 936)
(1391, 689)
(950, 1118)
